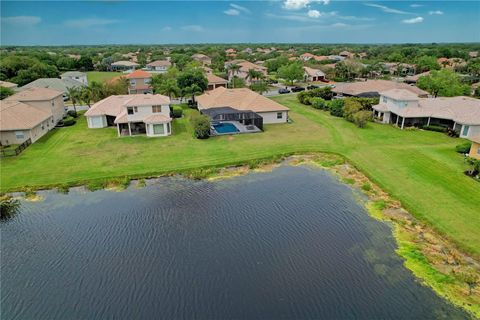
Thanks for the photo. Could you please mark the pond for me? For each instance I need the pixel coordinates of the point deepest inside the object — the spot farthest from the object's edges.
(293, 243)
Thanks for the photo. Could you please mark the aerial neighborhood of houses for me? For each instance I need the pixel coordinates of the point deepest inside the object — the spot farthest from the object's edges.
(235, 98)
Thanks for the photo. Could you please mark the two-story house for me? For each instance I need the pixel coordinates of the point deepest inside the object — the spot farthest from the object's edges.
(135, 114)
(404, 108)
(75, 75)
(139, 82)
(159, 66)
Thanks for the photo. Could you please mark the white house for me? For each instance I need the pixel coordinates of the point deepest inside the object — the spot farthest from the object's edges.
(159, 66)
(75, 75)
(134, 114)
(404, 108)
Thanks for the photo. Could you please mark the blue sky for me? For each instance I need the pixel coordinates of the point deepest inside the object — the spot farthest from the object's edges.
(161, 22)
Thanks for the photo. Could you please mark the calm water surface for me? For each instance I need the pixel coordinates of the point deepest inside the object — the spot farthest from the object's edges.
(291, 244)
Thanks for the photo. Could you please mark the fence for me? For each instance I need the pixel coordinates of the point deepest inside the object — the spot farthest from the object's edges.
(11, 152)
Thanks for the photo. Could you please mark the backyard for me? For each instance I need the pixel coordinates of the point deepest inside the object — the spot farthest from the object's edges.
(101, 76)
(420, 168)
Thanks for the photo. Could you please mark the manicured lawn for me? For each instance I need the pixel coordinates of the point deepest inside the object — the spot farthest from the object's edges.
(419, 168)
(101, 76)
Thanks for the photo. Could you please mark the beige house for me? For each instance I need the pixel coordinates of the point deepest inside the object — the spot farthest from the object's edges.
(404, 108)
(475, 148)
(203, 59)
(215, 81)
(43, 98)
(313, 74)
(124, 66)
(139, 82)
(21, 121)
(245, 66)
(244, 101)
(159, 66)
(306, 56)
(372, 88)
(135, 114)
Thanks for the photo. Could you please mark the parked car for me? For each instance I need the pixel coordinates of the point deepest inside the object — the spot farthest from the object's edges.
(298, 89)
(312, 86)
(283, 91)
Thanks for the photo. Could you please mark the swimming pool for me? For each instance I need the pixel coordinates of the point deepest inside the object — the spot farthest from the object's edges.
(225, 127)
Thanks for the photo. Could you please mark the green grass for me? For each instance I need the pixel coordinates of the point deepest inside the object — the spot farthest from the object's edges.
(420, 168)
(101, 76)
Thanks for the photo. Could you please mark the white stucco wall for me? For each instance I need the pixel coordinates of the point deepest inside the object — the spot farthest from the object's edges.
(145, 111)
(95, 122)
(271, 117)
(167, 129)
(473, 131)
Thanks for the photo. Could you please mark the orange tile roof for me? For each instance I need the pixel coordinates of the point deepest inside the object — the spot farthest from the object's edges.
(139, 74)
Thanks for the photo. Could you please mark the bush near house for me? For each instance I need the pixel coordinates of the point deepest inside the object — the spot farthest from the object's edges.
(177, 112)
(361, 118)
(201, 126)
(68, 121)
(319, 103)
(336, 108)
(324, 93)
(463, 147)
(434, 128)
(72, 113)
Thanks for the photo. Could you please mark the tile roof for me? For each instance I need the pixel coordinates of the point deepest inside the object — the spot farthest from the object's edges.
(139, 74)
(475, 139)
(400, 94)
(73, 74)
(157, 118)
(357, 88)
(314, 72)
(15, 115)
(125, 64)
(115, 105)
(159, 63)
(147, 100)
(240, 99)
(35, 94)
(213, 79)
(7, 84)
(54, 83)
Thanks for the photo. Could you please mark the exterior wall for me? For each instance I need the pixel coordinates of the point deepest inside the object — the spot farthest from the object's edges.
(145, 111)
(472, 131)
(138, 85)
(396, 106)
(10, 137)
(475, 150)
(56, 106)
(271, 117)
(95, 122)
(167, 128)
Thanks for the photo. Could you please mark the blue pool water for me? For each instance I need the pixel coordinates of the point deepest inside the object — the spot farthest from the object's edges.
(225, 128)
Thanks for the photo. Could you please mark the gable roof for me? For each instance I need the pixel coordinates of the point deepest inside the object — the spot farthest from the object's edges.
(240, 99)
(400, 94)
(160, 63)
(138, 74)
(213, 79)
(73, 74)
(314, 72)
(374, 86)
(115, 105)
(54, 83)
(35, 94)
(15, 115)
(125, 64)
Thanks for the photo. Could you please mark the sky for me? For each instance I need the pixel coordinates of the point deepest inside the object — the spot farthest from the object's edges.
(285, 21)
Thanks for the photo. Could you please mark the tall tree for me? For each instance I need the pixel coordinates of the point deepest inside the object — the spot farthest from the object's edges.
(232, 71)
(444, 83)
(192, 82)
(291, 72)
(74, 95)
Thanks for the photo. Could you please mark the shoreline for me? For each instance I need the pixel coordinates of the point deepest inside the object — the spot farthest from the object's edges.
(431, 257)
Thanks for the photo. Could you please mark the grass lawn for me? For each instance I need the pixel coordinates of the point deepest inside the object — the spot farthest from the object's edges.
(419, 168)
(101, 76)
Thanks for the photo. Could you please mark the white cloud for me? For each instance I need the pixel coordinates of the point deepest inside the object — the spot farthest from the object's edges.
(232, 12)
(300, 4)
(239, 8)
(89, 22)
(416, 5)
(314, 13)
(340, 25)
(413, 20)
(167, 28)
(386, 9)
(436, 12)
(192, 28)
(22, 20)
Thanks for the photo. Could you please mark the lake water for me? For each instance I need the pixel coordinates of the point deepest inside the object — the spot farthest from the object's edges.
(290, 244)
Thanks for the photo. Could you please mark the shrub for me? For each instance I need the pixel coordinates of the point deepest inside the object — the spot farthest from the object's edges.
(72, 113)
(336, 107)
(177, 112)
(366, 187)
(361, 118)
(201, 126)
(434, 128)
(304, 97)
(68, 121)
(351, 107)
(324, 93)
(318, 103)
(463, 147)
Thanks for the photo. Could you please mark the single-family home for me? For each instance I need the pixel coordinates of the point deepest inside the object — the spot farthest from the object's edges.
(55, 83)
(135, 114)
(247, 50)
(413, 79)
(230, 52)
(404, 108)
(47, 99)
(306, 56)
(76, 76)
(346, 54)
(245, 66)
(159, 66)
(335, 58)
(124, 66)
(473, 54)
(475, 148)
(215, 81)
(203, 59)
(242, 108)
(21, 121)
(372, 88)
(311, 74)
(9, 85)
(320, 58)
(139, 81)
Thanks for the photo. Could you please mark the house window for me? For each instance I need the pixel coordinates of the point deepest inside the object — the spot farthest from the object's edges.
(384, 99)
(156, 109)
(19, 135)
(465, 131)
(146, 80)
(129, 110)
(133, 82)
(135, 109)
(279, 115)
(158, 129)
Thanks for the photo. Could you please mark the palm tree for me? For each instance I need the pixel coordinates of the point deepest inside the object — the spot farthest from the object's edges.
(74, 95)
(254, 74)
(169, 88)
(233, 69)
(86, 95)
